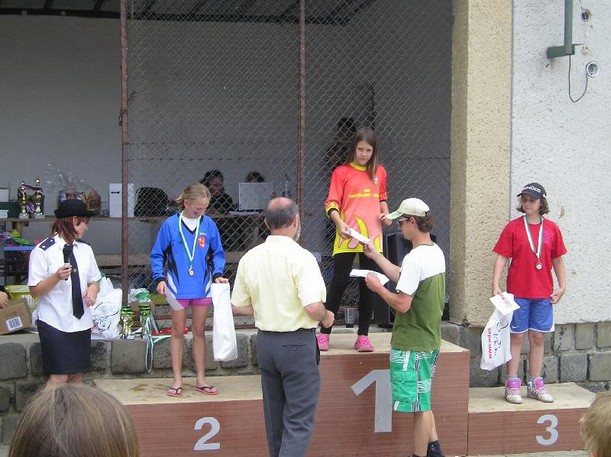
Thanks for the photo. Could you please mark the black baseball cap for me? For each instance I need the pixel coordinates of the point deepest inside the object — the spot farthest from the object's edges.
(72, 207)
(534, 189)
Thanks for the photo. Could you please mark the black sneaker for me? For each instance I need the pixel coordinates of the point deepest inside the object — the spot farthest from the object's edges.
(434, 449)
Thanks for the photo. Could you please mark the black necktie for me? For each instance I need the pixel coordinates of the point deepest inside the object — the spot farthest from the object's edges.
(77, 296)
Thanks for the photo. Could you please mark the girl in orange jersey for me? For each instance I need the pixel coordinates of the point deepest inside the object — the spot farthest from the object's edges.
(356, 200)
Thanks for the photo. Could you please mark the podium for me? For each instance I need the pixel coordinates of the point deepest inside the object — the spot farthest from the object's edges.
(499, 427)
(354, 414)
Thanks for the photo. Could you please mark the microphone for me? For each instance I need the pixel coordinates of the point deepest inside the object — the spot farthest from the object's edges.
(67, 251)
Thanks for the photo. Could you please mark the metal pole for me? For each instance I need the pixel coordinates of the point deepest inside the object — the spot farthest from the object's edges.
(124, 170)
(568, 26)
(567, 48)
(301, 124)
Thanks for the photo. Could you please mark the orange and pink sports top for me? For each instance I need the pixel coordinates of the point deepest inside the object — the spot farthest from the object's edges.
(357, 198)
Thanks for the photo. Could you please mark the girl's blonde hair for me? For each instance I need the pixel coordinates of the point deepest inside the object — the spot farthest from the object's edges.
(193, 192)
(74, 419)
(596, 426)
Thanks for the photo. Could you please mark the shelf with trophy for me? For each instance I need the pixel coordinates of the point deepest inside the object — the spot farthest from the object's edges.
(16, 250)
(30, 204)
(27, 207)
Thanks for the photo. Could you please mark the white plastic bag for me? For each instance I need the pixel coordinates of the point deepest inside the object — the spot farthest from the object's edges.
(106, 313)
(224, 343)
(495, 341)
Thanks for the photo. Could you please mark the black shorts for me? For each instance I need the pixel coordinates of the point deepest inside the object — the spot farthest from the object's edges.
(64, 353)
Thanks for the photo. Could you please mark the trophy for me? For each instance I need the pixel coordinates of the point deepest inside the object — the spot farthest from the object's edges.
(22, 199)
(145, 319)
(127, 320)
(38, 199)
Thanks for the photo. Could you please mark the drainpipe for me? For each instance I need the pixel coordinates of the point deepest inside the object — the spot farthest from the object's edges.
(568, 48)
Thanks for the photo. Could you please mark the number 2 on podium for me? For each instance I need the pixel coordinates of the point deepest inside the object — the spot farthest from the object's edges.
(215, 427)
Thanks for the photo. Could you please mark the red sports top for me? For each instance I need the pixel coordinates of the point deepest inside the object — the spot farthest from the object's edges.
(357, 198)
(524, 280)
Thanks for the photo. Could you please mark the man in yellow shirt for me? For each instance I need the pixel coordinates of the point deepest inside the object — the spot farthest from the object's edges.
(281, 284)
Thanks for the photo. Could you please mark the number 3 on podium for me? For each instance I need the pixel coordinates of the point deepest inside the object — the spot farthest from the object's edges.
(552, 436)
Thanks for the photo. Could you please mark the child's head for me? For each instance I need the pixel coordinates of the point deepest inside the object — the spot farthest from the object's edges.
(366, 135)
(192, 193)
(530, 192)
(596, 426)
(74, 419)
(254, 176)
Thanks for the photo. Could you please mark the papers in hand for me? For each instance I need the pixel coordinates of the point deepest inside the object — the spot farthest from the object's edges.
(357, 236)
(504, 302)
(355, 273)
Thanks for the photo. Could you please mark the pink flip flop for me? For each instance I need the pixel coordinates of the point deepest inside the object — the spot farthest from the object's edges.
(174, 392)
(206, 390)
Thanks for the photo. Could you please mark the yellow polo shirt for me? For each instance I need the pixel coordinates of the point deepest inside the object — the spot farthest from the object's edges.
(278, 278)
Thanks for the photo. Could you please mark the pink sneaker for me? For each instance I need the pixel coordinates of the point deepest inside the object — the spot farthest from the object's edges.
(323, 341)
(363, 344)
(536, 389)
(512, 391)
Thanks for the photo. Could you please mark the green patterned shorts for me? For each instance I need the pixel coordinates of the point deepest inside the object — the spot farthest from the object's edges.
(411, 376)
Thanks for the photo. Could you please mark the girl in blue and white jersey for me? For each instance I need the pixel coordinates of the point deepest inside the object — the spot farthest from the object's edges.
(186, 258)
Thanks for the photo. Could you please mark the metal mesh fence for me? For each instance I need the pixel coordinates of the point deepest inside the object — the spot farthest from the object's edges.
(215, 85)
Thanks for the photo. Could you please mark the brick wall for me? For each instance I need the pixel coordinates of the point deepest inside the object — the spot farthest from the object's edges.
(579, 353)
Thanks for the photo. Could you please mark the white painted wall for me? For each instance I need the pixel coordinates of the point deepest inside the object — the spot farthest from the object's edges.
(564, 145)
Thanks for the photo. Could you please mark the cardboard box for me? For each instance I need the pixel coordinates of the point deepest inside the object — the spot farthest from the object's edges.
(15, 316)
(115, 199)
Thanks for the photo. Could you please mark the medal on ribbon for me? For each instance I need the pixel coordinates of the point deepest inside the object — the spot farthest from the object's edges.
(191, 253)
(531, 242)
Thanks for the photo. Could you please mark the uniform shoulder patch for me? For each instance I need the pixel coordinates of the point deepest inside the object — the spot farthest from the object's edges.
(46, 244)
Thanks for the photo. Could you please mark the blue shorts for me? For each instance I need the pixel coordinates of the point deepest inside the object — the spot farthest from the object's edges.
(535, 315)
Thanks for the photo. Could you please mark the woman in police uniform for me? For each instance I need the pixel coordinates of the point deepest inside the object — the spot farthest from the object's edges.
(64, 275)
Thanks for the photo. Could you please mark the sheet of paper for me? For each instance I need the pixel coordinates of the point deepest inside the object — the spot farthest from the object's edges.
(504, 302)
(356, 273)
(357, 236)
